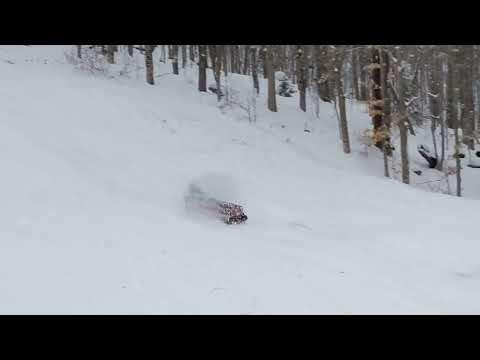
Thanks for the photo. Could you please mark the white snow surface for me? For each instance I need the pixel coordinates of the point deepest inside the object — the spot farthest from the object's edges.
(94, 169)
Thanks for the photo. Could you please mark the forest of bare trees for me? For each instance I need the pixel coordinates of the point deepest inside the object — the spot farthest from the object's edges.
(433, 87)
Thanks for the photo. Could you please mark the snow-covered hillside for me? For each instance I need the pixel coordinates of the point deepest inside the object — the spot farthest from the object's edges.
(94, 170)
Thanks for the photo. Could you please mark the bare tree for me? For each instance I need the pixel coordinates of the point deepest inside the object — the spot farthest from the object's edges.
(149, 64)
(364, 61)
(272, 101)
(235, 58)
(467, 102)
(191, 53)
(225, 53)
(381, 134)
(253, 62)
(338, 65)
(354, 64)
(184, 56)
(433, 95)
(202, 68)
(110, 54)
(384, 70)
(246, 59)
(291, 51)
(263, 58)
(302, 77)
(451, 105)
(454, 58)
(173, 55)
(322, 64)
(214, 51)
(441, 79)
(401, 118)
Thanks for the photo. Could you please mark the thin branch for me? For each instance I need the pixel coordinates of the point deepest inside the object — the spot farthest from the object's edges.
(395, 95)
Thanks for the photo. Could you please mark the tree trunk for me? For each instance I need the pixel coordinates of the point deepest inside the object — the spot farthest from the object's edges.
(213, 56)
(442, 116)
(216, 67)
(272, 101)
(202, 68)
(233, 59)
(433, 76)
(237, 59)
(110, 54)
(363, 59)
(149, 64)
(355, 85)
(263, 56)
(468, 105)
(184, 56)
(458, 161)
(402, 121)
(315, 79)
(191, 53)
(174, 58)
(79, 51)
(343, 112)
(225, 59)
(246, 61)
(385, 63)
(442, 77)
(402, 124)
(385, 68)
(451, 109)
(253, 51)
(130, 50)
(475, 80)
(231, 53)
(322, 75)
(455, 112)
(301, 68)
(380, 130)
(291, 63)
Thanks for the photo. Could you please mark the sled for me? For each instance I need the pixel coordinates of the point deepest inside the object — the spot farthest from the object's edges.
(229, 213)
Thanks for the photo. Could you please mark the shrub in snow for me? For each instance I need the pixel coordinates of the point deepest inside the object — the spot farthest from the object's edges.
(92, 60)
(95, 62)
(285, 88)
(280, 76)
(239, 94)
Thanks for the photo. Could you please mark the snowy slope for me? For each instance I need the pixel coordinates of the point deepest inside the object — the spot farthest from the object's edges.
(95, 168)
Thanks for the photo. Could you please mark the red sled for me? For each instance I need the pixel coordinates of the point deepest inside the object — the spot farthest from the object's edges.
(229, 213)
